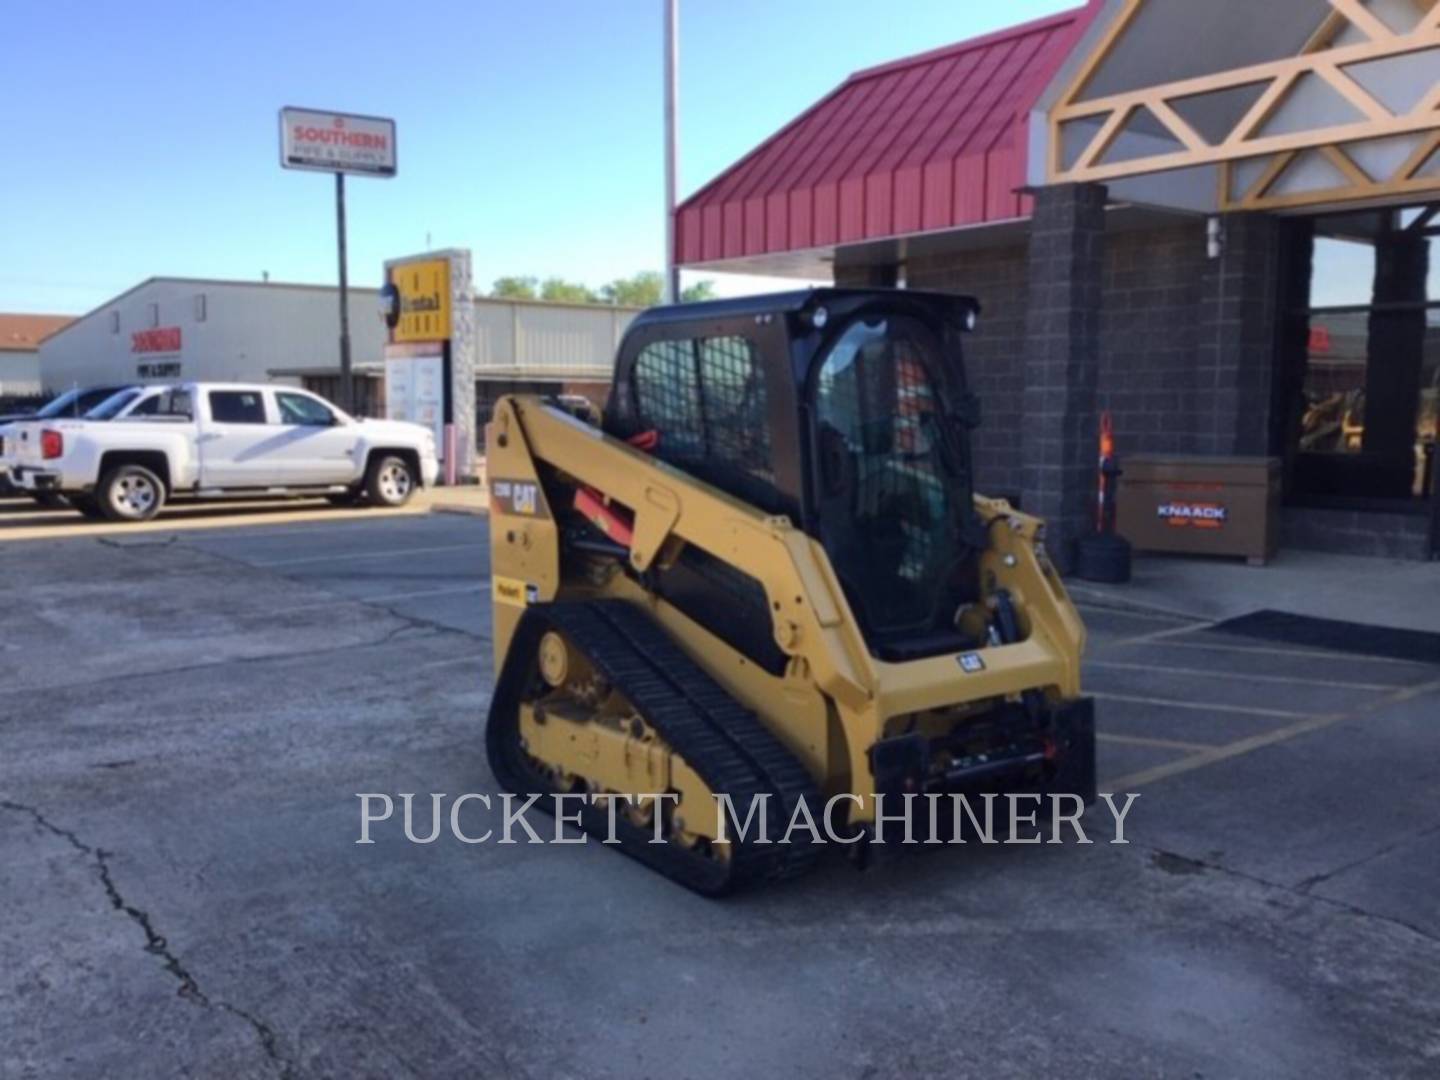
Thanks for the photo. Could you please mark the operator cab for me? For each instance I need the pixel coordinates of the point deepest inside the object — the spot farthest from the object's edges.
(844, 410)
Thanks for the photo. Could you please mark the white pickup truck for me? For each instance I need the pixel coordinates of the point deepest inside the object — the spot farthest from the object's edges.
(212, 440)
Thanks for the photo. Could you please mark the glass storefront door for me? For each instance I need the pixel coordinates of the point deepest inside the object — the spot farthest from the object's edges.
(1364, 369)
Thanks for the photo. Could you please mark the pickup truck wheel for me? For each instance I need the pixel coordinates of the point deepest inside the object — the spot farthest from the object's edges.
(390, 481)
(131, 493)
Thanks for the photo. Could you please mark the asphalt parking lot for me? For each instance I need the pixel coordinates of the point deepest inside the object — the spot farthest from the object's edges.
(188, 716)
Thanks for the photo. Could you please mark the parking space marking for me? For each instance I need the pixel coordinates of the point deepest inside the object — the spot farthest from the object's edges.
(1249, 745)
(389, 554)
(384, 598)
(1120, 665)
(1135, 613)
(1157, 744)
(1272, 650)
(1161, 636)
(312, 528)
(1200, 706)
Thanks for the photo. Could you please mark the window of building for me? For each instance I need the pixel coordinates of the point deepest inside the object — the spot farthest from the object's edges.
(237, 407)
(1365, 357)
(114, 322)
(200, 307)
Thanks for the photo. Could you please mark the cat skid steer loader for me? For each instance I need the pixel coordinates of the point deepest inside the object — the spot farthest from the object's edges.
(764, 575)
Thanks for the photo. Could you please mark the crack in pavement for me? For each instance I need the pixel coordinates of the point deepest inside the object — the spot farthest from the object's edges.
(260, 658)
(1319, 879)
(1174, 863)
(416, 621)
(155, 942)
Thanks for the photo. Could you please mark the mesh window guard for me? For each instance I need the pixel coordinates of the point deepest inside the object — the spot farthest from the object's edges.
(706, 397)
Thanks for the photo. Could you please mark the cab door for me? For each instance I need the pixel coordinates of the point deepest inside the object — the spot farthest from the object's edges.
(318, 442)
(240, 441)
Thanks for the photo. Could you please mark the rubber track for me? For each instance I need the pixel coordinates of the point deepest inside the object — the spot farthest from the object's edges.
(727, 745)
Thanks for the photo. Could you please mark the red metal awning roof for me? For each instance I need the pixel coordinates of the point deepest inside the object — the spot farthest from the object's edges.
(934, 141)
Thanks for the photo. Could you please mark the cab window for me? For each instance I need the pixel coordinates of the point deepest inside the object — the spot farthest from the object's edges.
(166, 403)
(237, 407)
(892, 490)
(112, 406)
(705, 398)
(303, 410)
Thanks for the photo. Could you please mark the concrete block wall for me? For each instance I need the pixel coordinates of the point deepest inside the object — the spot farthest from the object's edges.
(1357, 532)
(993, 354)
(1149, 337)
(1152, 287)
(1064, 301)
(1187, 358)
(1238, 337)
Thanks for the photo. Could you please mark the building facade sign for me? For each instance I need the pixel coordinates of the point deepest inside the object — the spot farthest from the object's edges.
(162, 339)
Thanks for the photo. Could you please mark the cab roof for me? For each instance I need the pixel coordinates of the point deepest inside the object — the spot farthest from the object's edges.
(840, 300)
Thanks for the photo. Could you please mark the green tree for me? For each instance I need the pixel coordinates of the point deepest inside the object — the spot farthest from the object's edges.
(514, 288)
(640, 290)
(568, 292)
(701, 290)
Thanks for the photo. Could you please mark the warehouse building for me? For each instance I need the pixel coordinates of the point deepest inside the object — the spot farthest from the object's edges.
(1218, 221)
(169, 328)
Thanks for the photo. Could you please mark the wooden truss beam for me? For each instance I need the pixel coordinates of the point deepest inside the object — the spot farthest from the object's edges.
(1405, 180)
(1321, 60)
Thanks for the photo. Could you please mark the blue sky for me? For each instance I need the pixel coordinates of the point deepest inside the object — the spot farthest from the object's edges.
(142, 136)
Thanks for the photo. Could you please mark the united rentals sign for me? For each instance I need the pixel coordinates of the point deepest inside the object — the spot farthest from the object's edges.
(419, 296)
(337, 142)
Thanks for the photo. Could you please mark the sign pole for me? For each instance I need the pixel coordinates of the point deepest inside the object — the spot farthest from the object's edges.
(672, 152)
(347, 387)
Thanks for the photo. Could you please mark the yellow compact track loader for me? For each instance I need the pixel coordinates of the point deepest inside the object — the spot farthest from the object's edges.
(764, 576)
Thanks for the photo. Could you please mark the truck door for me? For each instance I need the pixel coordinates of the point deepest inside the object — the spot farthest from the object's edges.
(238, 441)
(319, 446)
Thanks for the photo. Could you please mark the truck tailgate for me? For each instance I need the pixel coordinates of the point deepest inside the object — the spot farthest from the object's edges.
(22, 444)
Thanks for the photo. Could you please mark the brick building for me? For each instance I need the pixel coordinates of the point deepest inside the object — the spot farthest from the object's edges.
(1219, 221)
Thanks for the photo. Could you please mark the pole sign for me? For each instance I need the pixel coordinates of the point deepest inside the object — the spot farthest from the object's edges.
(422, 301)
(337, 142)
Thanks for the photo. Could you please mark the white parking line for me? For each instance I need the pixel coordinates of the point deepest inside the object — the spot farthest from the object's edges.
(1200, 706)
(1268, 738)
(1156, 744)
(1159, 636)
(1273, 650)
(1133, 613)
(1118, 665)
(392, 553)
(384, 598)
